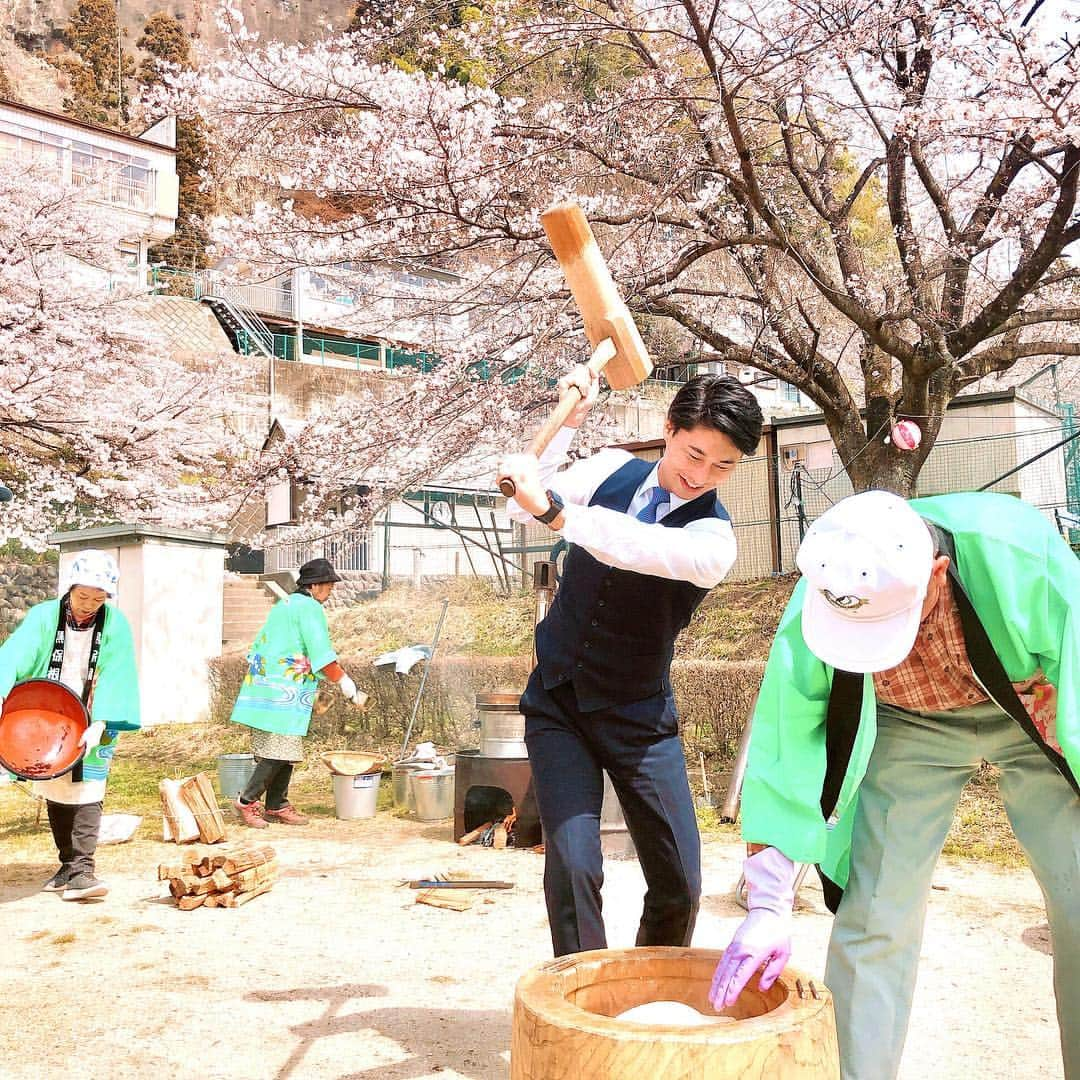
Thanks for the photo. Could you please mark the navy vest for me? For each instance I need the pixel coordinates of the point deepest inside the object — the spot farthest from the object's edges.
(612, 632)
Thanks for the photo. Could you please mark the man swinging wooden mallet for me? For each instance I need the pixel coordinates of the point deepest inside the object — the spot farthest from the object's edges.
(647, 541)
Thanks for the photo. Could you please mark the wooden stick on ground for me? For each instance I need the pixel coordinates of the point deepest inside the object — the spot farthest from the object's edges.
(435, 898)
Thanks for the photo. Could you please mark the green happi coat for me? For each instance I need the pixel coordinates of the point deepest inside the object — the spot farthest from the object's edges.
(25, 655)
(281, 682)
(1024, 583)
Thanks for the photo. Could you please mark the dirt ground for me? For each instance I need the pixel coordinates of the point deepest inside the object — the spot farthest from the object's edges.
(338, 973)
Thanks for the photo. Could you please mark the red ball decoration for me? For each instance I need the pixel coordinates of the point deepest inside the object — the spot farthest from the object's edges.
(905, 435)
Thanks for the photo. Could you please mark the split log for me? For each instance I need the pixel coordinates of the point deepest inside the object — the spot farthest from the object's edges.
(209, 863)
(222, 881)
(178, 822)
(250, 879)
(245, 860)
(475, 834)
(198, 793)
(499, 840)
(231, 900)
(213, 900)
(189, 903)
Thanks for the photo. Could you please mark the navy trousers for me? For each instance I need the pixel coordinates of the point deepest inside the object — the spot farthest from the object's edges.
(639, 747)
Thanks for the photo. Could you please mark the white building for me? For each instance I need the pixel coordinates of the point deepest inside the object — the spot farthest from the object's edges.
(134, 176)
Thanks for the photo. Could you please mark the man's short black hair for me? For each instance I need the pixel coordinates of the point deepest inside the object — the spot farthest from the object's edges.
(721, 403)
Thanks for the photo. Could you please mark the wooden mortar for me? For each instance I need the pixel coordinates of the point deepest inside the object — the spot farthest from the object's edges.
(564, 1026)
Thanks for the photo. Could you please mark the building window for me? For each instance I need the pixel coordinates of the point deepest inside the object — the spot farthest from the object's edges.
(789, 393)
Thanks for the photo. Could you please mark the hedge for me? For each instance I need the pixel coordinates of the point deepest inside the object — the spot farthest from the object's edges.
(713, 699)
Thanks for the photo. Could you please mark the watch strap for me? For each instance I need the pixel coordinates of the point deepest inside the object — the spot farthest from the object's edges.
(553, 511)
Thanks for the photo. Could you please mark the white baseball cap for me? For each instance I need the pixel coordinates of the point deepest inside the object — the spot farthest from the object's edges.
(96, 570)
(867, 563)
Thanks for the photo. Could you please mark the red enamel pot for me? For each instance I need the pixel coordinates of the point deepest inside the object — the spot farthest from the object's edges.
(40, 727)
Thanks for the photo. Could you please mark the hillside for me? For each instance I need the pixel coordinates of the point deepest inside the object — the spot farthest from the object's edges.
(29, 28)
(36, 24)
(735, 622)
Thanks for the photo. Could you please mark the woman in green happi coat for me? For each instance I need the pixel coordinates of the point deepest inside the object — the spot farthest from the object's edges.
(290, 655)
(85, 643)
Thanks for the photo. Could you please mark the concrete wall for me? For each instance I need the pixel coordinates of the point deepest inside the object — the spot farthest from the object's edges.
(171, 592)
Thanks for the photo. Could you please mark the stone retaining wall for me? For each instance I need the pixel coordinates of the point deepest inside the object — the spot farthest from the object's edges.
(21, 587)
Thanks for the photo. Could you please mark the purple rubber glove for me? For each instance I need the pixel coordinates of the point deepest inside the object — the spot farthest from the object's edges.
(764, 937)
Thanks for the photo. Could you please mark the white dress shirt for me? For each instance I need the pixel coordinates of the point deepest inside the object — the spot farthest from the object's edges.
(701, 552)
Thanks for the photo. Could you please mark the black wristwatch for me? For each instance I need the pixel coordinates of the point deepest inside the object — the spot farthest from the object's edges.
(553, 511)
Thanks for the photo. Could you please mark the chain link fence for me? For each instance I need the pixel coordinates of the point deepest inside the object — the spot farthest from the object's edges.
(772, 501)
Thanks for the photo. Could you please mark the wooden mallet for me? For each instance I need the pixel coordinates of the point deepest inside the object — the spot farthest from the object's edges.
(618, 350)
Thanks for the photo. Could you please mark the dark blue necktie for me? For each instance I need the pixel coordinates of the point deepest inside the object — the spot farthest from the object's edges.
(657, 497)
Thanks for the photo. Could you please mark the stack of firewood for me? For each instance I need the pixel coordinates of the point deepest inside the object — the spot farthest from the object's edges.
(189, 811)
(228, 877)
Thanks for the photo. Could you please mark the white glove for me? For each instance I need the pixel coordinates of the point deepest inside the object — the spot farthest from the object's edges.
(91, 737)
(764, 936)
(348, 688)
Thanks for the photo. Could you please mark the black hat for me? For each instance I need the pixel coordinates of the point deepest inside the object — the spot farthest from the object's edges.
(316, 572)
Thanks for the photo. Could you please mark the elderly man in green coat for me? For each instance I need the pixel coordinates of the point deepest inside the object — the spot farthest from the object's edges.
(85, 643)
(924, 638)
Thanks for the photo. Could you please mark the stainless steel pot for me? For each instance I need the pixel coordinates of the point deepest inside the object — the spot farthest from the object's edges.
(502, 727)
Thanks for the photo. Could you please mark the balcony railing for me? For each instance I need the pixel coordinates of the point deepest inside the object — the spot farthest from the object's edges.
(347, 551)
(114, 188)
(264, 298)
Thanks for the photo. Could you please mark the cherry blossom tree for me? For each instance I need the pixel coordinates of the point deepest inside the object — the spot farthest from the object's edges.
(872, 202)
(98, 423)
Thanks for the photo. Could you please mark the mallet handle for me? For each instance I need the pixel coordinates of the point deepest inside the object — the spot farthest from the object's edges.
(603, 353)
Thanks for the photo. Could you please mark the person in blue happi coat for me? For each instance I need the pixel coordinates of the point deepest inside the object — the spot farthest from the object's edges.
(647, 541)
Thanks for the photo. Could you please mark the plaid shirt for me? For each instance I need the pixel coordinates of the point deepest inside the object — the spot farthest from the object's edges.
(936, 676)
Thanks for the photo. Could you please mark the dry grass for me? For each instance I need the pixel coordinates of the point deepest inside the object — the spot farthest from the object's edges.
(479, 622)
(981, 829)
(735, 622)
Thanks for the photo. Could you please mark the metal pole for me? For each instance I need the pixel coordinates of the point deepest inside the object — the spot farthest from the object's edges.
(423, 677)
(499, 548)
(386, 550)
(799, 509)
(495, 566)
(729, 812)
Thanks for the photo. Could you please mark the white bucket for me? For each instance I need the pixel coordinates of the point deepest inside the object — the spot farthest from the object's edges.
(356, 796)
(434, 794)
